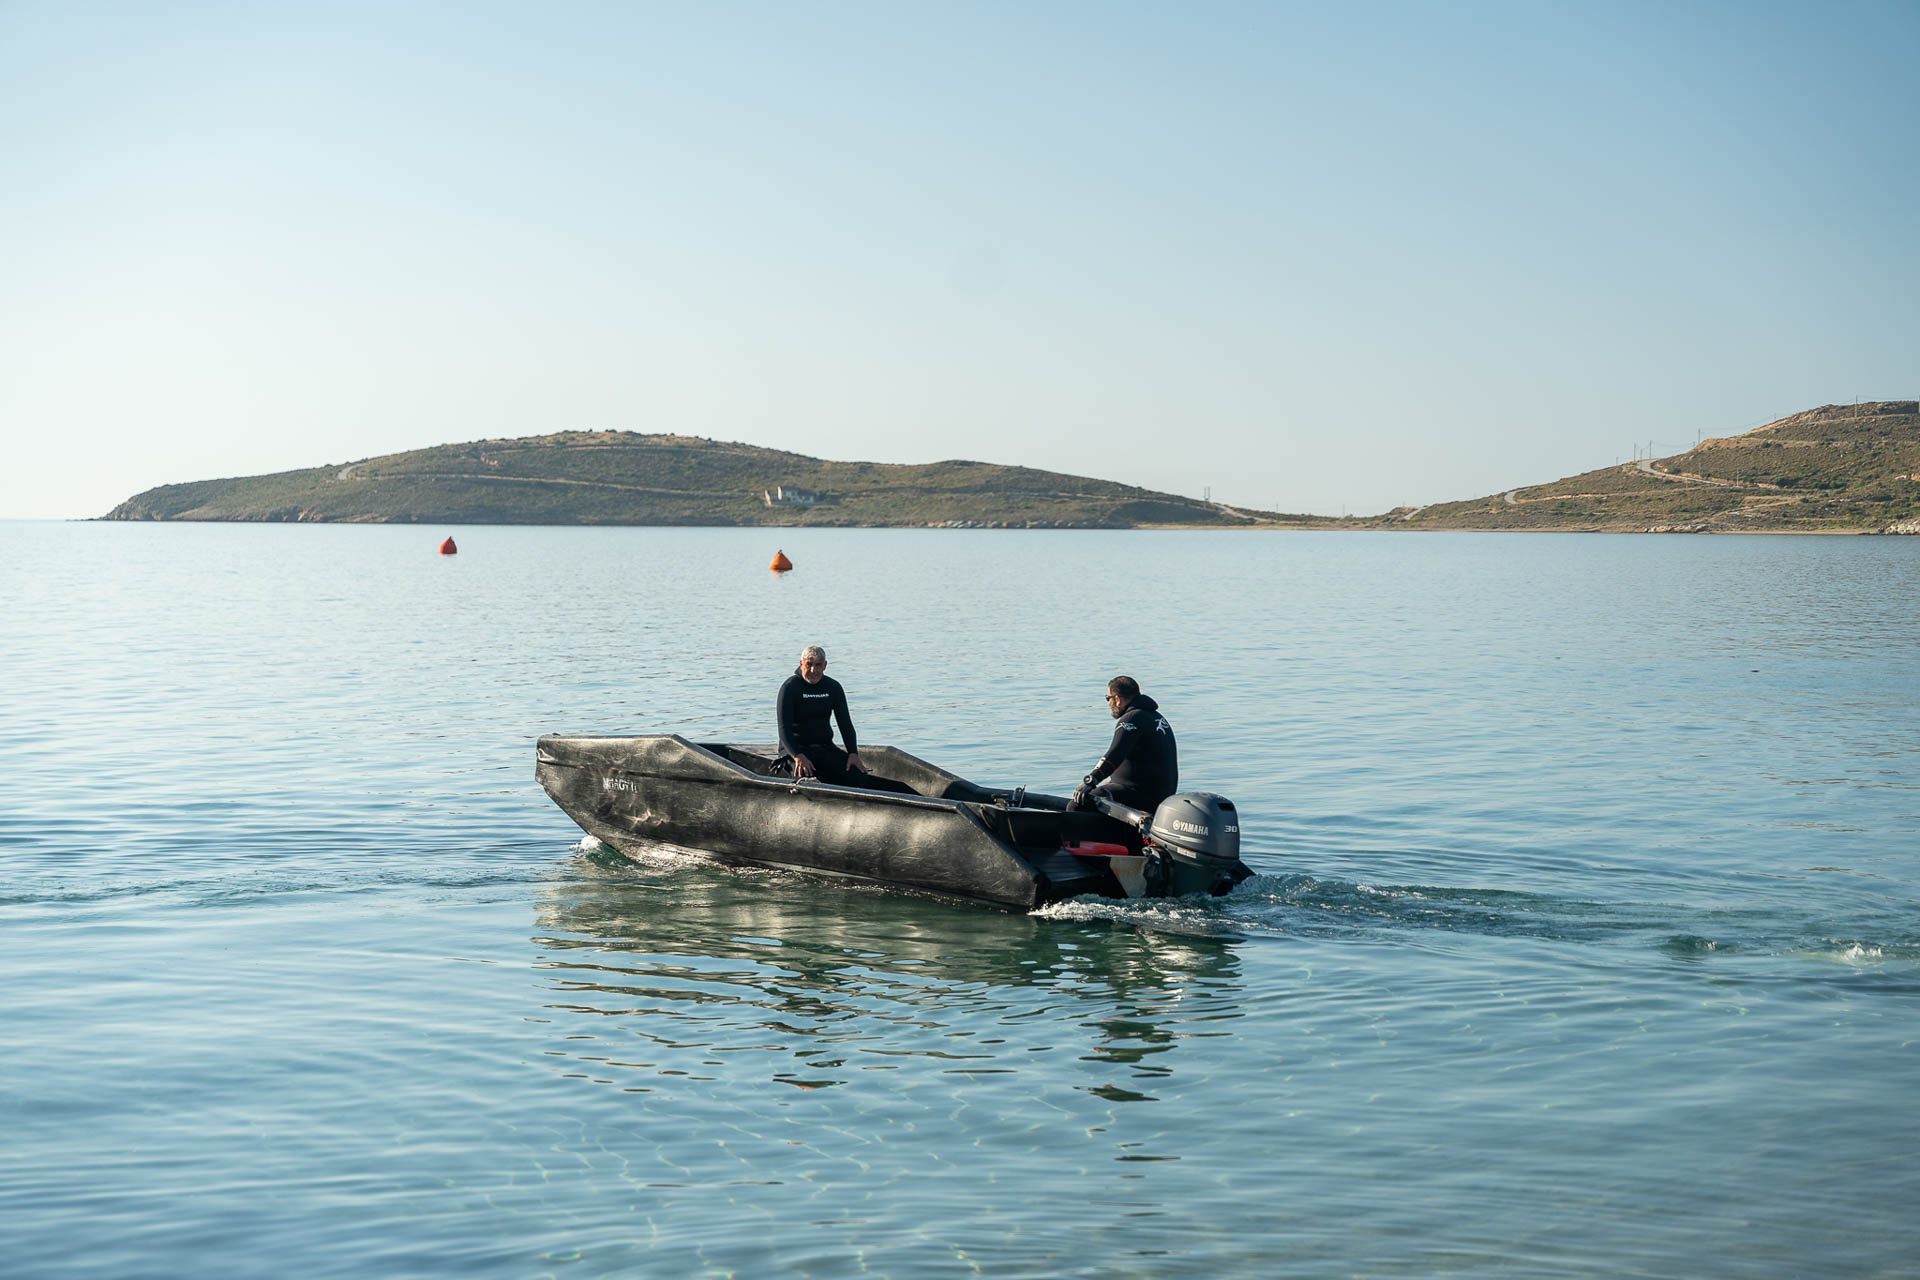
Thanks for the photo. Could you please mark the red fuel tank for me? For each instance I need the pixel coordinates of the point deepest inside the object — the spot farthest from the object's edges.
(1097, 849)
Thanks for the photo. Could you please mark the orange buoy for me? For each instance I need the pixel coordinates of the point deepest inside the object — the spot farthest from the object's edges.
(780, 562)
(448, 549)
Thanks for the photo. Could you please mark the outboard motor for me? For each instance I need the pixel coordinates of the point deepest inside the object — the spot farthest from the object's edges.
(1192, 843)
(1200, 832)
(1199, 826)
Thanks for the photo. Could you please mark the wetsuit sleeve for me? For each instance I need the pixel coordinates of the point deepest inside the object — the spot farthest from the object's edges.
(784, 705)
(1123, 734)
(845, 717)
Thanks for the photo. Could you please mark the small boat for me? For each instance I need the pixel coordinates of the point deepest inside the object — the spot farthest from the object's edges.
(1009, 848)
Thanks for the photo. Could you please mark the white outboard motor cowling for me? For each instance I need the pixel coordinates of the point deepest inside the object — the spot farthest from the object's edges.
(1200, 829)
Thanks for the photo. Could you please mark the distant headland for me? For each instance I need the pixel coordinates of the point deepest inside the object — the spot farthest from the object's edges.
(624, 478)
(1841, 468)
(1836, 469)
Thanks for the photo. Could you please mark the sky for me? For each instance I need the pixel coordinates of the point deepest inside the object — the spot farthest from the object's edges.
(1304, 257)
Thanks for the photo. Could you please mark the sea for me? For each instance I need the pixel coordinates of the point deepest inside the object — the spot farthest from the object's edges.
(1584, 939)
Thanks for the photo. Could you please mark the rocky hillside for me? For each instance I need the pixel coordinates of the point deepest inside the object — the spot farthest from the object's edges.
(1839, 468)
(617, 477)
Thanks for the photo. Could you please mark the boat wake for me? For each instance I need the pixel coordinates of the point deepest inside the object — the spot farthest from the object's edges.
(1305, 906)
(1301, 906)
(1194, 916)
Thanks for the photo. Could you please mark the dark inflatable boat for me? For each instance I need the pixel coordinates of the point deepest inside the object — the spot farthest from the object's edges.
(1006, 848)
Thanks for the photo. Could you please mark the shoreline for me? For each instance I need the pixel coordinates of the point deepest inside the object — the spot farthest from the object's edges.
(1338, 527)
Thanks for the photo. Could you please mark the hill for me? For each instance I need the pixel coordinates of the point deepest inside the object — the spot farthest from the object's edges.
(1837, 469)
(619, 477)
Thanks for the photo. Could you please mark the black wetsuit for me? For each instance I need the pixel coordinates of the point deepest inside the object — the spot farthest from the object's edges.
(1142, 766)
(806, 714)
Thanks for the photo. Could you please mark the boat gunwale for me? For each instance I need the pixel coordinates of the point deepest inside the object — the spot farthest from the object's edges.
(792, 786)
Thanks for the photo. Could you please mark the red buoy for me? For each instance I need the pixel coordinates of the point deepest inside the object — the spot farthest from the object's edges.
(780, 562)
(448, 549)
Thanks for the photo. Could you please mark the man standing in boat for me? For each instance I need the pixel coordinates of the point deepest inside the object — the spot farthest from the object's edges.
(1142, 764)
(810, 701)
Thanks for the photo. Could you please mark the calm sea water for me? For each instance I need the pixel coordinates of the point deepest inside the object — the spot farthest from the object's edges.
(1586, 939)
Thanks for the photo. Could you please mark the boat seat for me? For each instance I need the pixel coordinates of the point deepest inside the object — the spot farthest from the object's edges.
(752, 759)
(766, 762)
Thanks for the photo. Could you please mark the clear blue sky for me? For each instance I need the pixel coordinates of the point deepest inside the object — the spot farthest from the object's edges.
(1310, 256)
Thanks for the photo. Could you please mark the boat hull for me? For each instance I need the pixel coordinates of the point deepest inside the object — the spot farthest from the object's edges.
(951, 839)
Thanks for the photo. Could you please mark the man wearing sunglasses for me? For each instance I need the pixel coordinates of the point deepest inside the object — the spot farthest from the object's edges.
(1142, 764)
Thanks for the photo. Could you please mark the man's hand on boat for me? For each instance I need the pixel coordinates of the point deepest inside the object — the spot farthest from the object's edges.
(803, 767)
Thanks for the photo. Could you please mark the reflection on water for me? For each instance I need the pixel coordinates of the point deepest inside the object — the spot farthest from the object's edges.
(753, 965)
